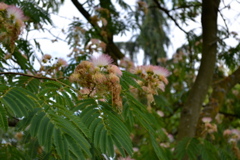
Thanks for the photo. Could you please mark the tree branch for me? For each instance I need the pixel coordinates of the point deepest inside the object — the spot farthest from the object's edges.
(111, 48)
(167, 12)
(28, 75)
(229, 115)
(84, 13)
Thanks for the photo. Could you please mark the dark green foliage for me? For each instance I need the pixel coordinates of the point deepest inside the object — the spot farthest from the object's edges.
(51, 113)
(189, 147)
(8, 152)
(57, 118)
(231, 56)
(202, 149)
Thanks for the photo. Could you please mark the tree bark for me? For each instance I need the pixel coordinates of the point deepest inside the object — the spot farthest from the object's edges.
(191, 110)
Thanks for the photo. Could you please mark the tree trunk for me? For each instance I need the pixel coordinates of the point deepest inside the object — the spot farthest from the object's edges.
(191, 110)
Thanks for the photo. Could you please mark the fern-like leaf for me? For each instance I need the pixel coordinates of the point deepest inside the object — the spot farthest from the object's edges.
(3, 118)
(106, 127)
(187, 147)
(208, 151)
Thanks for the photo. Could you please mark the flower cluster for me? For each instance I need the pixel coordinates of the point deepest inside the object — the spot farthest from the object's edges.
(154, 78)
(99, 78)
(209, 128)
(52, 67)
(232, 134)
(11, 22)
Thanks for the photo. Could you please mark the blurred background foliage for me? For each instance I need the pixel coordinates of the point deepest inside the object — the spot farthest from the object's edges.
(148, 22)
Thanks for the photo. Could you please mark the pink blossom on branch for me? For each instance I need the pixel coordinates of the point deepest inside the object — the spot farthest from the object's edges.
(17, 14)
(3, 6)
(115, 70)
(206, 119)
(101, 61)
(160, 71)
(62, 62)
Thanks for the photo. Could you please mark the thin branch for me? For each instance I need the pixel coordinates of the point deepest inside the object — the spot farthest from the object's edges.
(28, 75)
(49, 31)
(229, 114)
(40, 77)
(167, 12)
(225, 23)
(186, 6)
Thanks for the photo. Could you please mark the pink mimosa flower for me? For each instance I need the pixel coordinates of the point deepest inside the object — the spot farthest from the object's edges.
(85, 91)
(114, 69)
(3, 6)
(62, 62)
(148, 68)
(161, 86)
(139, 70)
(47, 56)
(74, 77)
(206, 119)
(113, 78)
(99, 77)
(227, 132)
(102, 60)
(16, 13)
(160, 71)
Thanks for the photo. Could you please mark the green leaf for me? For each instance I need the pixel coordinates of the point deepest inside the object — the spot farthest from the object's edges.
(48, 139)
(41, 134)
(110, 146)
(129, 79)
(3, 119)
(25, 122)
(158, 150)
(20, 60)
(119, 146)
(102, 141)
(8, 152)
(10, 102)
(60, 144)
(74, 147)
(187, 147)
(68, 128)
(162, 102)
(97, 134)
(67, 99)
(53, 84)
(3, 88)
(84, 103)
(208, 151)
(19, 100)
(35, 123)
(21, 96)
(76, 121)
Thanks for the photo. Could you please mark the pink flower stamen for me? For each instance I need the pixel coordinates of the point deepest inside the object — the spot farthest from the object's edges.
(102, 60)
